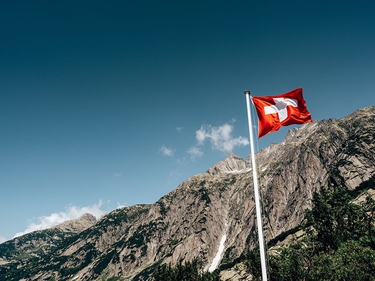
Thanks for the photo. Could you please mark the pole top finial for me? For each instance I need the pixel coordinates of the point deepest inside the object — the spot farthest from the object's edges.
(247, 92)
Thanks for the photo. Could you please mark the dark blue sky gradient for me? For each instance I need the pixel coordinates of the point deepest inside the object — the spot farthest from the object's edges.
(92, 90)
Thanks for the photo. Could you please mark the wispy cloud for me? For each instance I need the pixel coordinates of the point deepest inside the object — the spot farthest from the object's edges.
(166, 151)
(179, 128)
(220, 137)
(2, 239)
(72, 212)
(119, 206)
(181, 161)
(117, 175)
(173, 176)
(195, 152)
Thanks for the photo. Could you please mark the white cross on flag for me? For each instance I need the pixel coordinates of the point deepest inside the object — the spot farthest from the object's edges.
(282, 110)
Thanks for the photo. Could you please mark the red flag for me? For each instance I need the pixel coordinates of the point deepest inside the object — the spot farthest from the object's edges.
(282, 110)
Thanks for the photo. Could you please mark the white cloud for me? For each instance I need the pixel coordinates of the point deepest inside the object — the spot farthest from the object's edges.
(166, 151)
(220, 137)
(195, 152)
(117, 175)
(119, 206)
(179, 128)
(2, 239)
(72, 212)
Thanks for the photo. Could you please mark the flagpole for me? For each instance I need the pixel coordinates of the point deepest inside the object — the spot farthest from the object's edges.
(256, 191)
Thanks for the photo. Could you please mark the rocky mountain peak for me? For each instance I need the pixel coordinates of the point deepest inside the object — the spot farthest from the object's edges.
(77, 225)
(300, 134)
(232, 164)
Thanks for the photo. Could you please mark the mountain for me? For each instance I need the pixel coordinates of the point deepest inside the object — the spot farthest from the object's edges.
(210, 216)
(41, 243)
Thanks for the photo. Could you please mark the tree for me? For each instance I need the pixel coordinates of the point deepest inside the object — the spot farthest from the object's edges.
(338, 245)
(335, 218)
(189, 271)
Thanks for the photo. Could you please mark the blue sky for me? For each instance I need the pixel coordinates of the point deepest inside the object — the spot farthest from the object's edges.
(101, 101)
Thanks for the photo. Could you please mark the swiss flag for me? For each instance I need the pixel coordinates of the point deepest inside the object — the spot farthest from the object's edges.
(282, 110)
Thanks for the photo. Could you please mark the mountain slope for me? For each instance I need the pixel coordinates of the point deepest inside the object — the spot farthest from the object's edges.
(34, 246)
(217, 208)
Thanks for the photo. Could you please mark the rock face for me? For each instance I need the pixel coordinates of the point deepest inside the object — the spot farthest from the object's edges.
(216, 208)
(232, 164)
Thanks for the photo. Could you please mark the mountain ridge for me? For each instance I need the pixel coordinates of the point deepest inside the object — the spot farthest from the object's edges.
(191, 221)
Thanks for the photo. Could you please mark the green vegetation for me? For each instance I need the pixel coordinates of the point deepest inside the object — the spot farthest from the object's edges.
(339, 243)
(103, 262)
(163, 208)
(204, 195)
(189, 271)
(44, 242)
(114, 278)
(106, 276)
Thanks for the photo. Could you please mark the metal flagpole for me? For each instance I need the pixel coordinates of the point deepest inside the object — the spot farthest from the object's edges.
(256, 191)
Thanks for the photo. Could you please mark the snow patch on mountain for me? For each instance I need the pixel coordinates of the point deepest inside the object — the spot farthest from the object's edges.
(219, 253)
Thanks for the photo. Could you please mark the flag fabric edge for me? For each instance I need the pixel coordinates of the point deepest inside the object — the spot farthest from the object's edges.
(277, 111)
